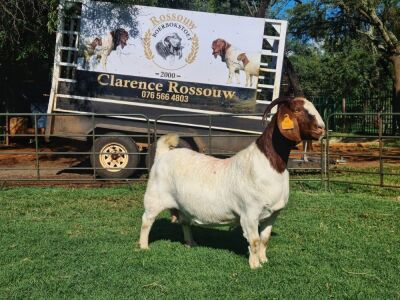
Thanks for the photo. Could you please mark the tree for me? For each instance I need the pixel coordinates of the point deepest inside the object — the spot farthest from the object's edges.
(26, 28)
(336, 23)
(383, 20)
(26, 46)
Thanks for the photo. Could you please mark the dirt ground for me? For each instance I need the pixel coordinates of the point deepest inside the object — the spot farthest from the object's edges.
(361, 154)
(58, 164)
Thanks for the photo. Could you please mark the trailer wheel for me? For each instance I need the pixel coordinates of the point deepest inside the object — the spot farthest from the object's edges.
(152, 151)
(112, 158)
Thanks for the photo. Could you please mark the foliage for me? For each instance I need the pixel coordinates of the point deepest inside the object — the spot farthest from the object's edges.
(335, 21)
(82, 243)
(24, 26)
(337, 26)
(106, 16)
(348, 71)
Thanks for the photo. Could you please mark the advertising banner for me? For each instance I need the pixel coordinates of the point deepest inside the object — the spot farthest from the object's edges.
(169, 57)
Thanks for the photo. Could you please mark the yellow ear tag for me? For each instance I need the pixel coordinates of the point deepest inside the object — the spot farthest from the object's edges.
(287, 123)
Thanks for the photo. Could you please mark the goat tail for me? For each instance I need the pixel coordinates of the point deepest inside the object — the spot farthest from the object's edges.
(166, 143)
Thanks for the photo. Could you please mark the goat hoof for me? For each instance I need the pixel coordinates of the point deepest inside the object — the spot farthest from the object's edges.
(143, 247)
(254, 263)
(263, 259)
(191, 244)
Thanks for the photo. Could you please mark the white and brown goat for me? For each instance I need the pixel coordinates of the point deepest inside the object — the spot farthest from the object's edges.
(251, 69)
(249, 188)
(102, 47)
(230, 55)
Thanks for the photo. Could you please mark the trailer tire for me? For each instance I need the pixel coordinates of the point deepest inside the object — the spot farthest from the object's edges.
(111, 158)
(152, 151)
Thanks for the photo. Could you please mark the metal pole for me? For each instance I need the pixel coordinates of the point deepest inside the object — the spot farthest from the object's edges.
(36, 148)
(7, 139)
(380, 149)
(56, 68)
(93, 149)
(328, 186)
(323, 163)
(209, 134)
(148, 144)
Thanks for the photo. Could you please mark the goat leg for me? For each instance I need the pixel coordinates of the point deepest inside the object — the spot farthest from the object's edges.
(265, 234)
(250, 232)
(188, 236)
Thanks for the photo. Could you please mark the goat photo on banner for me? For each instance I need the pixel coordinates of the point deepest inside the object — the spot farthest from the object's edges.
(166, 57)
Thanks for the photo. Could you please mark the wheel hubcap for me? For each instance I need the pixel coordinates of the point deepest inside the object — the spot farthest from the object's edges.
(114, 157)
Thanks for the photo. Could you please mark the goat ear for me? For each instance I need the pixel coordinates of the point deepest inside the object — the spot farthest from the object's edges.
(287, 124)
(240, 57)
(277, 101)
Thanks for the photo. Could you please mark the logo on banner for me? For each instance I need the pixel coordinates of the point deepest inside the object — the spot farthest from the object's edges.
(171, 43)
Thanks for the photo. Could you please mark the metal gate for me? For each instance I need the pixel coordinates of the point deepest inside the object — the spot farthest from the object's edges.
(372, 160)
(340, 158)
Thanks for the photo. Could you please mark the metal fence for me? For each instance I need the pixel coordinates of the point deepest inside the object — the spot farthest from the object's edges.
(368, 106)
(372, 159)
(71, 158)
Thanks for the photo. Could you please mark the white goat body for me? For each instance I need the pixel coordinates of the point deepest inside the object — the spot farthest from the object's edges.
(251, 67)
(107, 47)
(209, 190)
(233, 65)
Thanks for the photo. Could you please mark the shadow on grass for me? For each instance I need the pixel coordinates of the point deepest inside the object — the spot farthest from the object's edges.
(231, 240)
(85, 167)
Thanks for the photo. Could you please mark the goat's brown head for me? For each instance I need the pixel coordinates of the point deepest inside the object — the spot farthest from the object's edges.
(219, 47)
(120, 38)
(243, 58)
(297, 119)
(96, 42)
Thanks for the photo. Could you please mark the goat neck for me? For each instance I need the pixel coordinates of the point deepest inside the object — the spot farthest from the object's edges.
(275, 146)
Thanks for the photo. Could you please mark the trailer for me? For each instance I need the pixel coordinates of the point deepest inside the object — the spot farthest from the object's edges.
(119, 69)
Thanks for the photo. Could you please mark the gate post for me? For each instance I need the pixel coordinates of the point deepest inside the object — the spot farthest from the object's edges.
(381, 171)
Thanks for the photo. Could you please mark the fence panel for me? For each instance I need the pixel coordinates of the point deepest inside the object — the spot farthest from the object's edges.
(370, 159)
(341, 157)
(73, 156)
(329, 104)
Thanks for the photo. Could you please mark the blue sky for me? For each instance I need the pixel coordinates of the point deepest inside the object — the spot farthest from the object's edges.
(285, 6)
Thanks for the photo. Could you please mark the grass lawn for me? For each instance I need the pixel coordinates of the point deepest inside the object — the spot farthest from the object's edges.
(82, 243)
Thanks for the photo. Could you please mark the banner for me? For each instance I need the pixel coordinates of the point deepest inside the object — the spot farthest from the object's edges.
(169, 57)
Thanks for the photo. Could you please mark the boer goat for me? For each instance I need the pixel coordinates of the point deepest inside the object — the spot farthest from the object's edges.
(249, 188)
(250, 68)
(110, 42)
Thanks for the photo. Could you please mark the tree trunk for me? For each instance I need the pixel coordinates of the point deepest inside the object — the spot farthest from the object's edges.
(294, 83)
(262, 9)
(395, 59)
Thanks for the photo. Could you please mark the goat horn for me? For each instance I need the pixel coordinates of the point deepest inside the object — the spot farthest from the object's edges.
(277, 101)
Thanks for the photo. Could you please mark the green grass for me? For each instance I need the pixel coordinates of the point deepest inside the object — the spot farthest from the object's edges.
(81, 243)
(354, 175)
